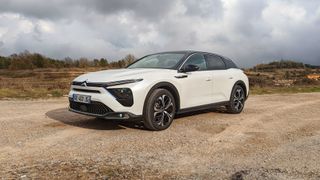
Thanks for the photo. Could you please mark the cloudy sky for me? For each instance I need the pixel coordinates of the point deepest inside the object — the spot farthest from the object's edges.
(248, 31)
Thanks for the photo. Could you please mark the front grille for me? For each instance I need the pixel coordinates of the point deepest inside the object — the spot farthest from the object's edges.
(86, 90)
(89, 84)
(95, 108)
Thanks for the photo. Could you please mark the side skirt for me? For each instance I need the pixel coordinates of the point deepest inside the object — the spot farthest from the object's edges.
(203, 107)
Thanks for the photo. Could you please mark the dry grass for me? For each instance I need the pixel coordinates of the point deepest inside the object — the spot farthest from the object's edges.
(284, 90)
(46, 83)
(38, 83)
(31, 93)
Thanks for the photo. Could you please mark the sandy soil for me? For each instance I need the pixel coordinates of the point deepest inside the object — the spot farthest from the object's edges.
(276, 137)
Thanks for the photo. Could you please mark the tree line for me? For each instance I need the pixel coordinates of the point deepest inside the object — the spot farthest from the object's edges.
(27, 60)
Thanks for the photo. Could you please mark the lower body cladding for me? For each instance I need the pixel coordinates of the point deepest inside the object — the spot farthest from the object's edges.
(100, 110)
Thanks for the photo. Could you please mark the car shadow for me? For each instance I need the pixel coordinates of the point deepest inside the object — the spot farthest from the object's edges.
(63, 115)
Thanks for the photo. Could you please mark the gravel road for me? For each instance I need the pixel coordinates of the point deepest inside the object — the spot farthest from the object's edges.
(276, 137)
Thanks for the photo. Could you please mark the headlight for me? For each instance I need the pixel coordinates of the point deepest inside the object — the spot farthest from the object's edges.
(123, 95)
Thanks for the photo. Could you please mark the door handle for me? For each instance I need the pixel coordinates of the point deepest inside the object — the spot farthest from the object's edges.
(181, 76)
(208, 79)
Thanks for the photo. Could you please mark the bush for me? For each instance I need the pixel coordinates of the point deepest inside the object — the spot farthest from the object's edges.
(258, 81)
(4, 62)
(306, 81)
(56, 93)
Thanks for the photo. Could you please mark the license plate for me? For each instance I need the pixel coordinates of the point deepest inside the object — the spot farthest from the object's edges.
(82, 98)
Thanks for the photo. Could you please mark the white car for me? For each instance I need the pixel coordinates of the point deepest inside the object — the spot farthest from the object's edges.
(156, 87)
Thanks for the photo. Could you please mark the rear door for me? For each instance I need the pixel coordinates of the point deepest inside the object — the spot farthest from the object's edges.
(222, 78)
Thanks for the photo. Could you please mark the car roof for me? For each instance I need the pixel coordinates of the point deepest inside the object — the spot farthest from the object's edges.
(187, 52)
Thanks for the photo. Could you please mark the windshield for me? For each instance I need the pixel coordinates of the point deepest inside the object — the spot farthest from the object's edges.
(159, 61)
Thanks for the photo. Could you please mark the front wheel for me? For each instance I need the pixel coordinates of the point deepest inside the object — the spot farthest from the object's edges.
(237, 100)
(159, 110)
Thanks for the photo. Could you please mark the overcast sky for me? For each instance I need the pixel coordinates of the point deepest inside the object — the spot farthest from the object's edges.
(248, 31)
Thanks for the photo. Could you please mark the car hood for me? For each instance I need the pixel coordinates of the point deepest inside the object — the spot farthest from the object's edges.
(118, 74)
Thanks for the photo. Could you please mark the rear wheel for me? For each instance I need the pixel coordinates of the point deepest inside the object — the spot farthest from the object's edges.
(159, 110)
(237, 100)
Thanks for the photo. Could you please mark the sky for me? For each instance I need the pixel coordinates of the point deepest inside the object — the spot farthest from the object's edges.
(247, 31)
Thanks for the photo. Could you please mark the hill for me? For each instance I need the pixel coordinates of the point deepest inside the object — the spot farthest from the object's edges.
(284, 74)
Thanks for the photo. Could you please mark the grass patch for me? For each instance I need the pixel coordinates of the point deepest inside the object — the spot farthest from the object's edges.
(57, 93)
(18, 74)
(31, 93)
(284, 90)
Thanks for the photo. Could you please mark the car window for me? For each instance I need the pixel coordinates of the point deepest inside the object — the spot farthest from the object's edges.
(198, 60)
(229, 63)
(215, 62)
(161, 61)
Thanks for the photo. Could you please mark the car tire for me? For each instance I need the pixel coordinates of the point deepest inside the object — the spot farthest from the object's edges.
(237, 100)
(159, 111)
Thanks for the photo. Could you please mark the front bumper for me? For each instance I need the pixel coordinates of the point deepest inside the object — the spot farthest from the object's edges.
(98, 109)
(106, 105)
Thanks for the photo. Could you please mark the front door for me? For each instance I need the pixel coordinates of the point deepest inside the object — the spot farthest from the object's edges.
(197, 85)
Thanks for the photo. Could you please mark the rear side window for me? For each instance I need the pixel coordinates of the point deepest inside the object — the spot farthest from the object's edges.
(229, 63)
(214, 62)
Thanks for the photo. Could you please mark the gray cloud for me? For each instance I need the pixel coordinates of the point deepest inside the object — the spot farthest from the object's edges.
(145, 9)
(246, 18)
(64, 9)
(249, 31)
(36, 8)
(204, 8)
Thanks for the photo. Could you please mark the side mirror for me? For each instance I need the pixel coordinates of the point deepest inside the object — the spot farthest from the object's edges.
(190, 68)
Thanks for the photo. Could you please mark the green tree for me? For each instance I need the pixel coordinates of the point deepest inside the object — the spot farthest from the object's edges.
(103, 62)
(96, 62)
(39, 61)
(21, 61)
(4, 62)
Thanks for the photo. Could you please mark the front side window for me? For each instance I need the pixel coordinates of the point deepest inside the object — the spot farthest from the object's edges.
(158, 61)
(215, 62)
(198, 60)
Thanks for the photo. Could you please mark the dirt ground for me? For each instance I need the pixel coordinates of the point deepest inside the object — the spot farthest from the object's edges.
(276, 137)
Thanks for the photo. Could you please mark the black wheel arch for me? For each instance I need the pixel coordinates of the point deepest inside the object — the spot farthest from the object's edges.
(168, 86)
(243, 85)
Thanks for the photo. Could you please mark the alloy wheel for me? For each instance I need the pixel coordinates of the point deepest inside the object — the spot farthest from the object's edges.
(163, 110)
(238, 99)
